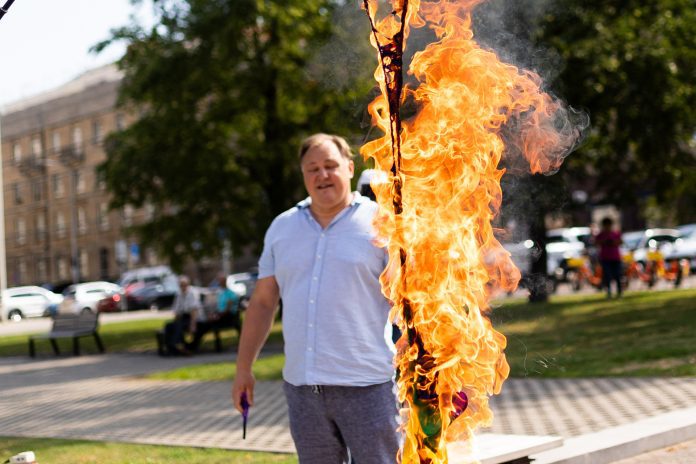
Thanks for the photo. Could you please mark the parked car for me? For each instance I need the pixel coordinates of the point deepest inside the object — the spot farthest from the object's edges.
(84, 297)
(684, 247)
(154, 295)
(563, 245)
(29, 301)
(113, 302)
(138, 278)
(243, 285)
(639, 243)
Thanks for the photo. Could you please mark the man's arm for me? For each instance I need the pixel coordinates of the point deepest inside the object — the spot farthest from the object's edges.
(257, 326)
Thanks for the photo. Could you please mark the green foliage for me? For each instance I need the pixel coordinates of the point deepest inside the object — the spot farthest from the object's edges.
(92, 452)
(632, 64)
(225, 90)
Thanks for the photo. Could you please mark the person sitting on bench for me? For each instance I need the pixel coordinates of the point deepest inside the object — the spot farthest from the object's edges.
(186, 306)
(226, 314)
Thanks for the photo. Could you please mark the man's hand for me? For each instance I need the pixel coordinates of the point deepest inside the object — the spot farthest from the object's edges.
(243, 383)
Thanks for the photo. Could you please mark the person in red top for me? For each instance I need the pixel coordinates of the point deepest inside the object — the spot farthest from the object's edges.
(608, 242)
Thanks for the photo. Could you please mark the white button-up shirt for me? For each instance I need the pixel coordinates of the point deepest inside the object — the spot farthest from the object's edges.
(334, 314)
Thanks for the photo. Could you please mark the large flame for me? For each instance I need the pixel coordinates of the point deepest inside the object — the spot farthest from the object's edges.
(436, 211)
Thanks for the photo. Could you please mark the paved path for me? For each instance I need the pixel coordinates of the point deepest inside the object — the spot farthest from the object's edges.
(683, 453)
(103, 397)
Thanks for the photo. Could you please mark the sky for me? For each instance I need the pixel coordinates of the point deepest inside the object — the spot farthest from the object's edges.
(45, 43)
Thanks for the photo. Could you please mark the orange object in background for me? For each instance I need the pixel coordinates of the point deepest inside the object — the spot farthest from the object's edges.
(442, 193)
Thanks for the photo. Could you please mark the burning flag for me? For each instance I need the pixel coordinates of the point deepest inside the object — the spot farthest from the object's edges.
(436, 210)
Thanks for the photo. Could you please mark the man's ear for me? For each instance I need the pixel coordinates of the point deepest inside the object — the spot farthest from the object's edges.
(351, 168)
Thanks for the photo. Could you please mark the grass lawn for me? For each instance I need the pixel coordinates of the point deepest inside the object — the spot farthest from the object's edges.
(642, 334)
(647, 333)
(53, 451)
(120, 337)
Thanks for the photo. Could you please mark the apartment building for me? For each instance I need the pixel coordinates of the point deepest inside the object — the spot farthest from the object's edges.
(58, 224)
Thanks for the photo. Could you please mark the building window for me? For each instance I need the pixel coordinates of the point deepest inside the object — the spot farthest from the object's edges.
(81, 220)
(103, 216)
(104, 263)
(84, 263)
(96, 132)
(56, 142)
(22, 270)
(36, 189)
(120, 121)
(41, 270)
(62, 268)
(40, 227)
(21, 229)
(57, 183)
(16, 153)
(17, 191)
(100, 183)
(60, 225)
(36, 148)
(77, 140)
(78, 181)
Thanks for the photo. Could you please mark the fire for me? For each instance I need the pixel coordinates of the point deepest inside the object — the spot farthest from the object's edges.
(436, 211)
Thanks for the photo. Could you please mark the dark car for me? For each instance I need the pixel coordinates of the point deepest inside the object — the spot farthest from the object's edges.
(154, 295)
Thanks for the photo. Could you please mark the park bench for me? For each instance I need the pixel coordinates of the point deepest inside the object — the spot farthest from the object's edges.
(215, 330)
(70, 326)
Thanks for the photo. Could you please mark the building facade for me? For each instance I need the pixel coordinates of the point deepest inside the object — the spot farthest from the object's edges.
(58, 224)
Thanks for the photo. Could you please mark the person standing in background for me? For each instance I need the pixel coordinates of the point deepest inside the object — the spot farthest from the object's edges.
(608, 241)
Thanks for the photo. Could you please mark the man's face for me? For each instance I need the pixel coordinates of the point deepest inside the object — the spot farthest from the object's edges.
(327, 175)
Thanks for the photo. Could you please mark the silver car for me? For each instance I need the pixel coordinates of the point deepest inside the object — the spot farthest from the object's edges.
(84, 297)
(18, 303)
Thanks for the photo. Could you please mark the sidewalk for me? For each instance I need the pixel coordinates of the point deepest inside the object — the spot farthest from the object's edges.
(102, 398)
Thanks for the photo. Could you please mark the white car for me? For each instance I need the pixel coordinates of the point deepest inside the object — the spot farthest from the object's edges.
(684, 247)
(29, 301)
(641, 242)
(84, 297)
(564, 244)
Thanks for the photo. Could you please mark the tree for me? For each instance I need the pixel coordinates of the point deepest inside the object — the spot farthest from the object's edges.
(632, 64)
(225, 90)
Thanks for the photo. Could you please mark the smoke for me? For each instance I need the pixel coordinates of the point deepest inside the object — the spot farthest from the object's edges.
(346, 58)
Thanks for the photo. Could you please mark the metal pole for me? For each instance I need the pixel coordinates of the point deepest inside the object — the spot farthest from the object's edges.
(5, 7)
(227, 257)
(3, 257)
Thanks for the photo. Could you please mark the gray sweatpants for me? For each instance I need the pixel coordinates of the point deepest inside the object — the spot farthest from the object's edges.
(328, 423)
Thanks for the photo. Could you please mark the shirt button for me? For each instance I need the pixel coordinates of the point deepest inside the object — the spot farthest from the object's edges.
(311, 301)
(309, 348)
(314, 278)
(311, 325)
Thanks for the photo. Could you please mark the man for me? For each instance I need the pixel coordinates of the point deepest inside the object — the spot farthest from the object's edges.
(187, 309)
(226, 314)
(319, 257)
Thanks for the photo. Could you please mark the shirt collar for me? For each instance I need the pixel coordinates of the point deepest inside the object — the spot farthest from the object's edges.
(355, 200)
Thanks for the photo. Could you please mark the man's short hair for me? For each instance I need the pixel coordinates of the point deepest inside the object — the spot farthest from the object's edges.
(184, 280)
(317, 139)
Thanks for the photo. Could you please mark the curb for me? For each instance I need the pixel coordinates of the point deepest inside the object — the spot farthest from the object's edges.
(616, 443)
